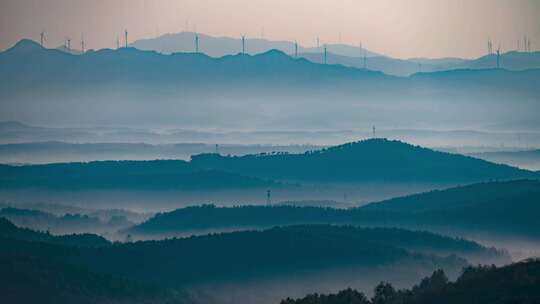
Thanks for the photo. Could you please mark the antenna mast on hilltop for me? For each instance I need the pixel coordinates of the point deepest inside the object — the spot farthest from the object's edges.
(42, 38)
(126, 37)
(196, 43)
(268, 197)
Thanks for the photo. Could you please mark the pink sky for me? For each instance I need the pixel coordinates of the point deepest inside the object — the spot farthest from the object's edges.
(405, 28)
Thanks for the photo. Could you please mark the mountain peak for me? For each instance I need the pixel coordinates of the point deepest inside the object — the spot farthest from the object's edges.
(26, 45)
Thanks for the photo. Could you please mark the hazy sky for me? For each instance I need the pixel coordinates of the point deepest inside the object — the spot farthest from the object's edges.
(399, 28)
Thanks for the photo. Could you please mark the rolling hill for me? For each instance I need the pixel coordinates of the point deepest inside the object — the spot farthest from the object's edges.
(496, 208)
(275, 251)
(375, 160)
(369, 160)
(135, 175)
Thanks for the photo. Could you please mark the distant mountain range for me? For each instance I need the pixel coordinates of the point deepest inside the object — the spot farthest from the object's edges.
(346, 55)
(127, 86)
(184, 42)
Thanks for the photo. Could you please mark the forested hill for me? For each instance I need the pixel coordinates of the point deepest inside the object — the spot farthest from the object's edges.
(503, 207)
(368, 160)
(10, 231)
(140, 175)
(374, 160)
(509, 208)
(515, 283)
(276, 251)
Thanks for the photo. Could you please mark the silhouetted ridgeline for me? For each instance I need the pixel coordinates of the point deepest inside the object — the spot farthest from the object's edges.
(140, 175)
(515, 283)
(137, 86)
(40, 220)
(248, 254)
(10, 231)
(494, 207)
(368, 160)
(375, 160)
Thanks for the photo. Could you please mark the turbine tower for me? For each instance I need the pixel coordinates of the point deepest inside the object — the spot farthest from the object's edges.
(68, 46)
(325, 54)
(117, 42)
(318, 44)
(196, 43)
(42, 38)
(243, 44)
(373, 131)
(126, 37)
(295, 49)
(498, 56)
(365, 61)
(82, 43)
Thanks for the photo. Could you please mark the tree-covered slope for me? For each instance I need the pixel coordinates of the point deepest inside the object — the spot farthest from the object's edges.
(368, 160)
(253, 254)
(515, 283)
(509, 207)
(139, 175)
(30, 280)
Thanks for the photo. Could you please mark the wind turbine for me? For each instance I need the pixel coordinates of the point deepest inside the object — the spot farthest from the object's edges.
(325, 54)
(196, 43)
(68, 45)
(42, 38)
(295, 49)
(243, 44)
(82, 43)
(126, 37)
(498, 56)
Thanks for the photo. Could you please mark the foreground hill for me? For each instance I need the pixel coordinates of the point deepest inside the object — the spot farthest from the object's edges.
(283, 250)
(515, 283)
(507, 208)
(369, 160)
(228, 267)
(30, 280)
